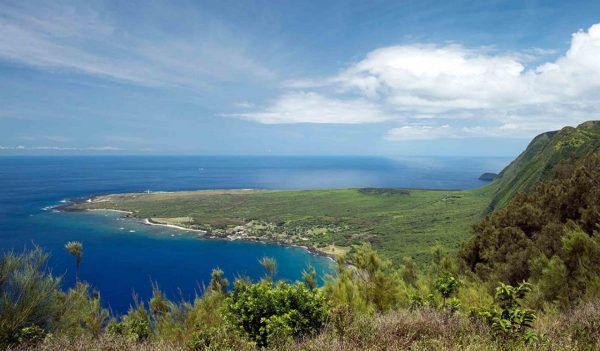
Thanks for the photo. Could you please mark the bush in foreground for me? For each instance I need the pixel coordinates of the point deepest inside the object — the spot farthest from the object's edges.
(270, 313)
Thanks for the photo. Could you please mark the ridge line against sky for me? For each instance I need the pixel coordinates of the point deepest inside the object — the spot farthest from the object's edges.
(223, 77)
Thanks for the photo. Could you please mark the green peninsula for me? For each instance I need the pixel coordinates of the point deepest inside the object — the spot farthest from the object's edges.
(398, 222)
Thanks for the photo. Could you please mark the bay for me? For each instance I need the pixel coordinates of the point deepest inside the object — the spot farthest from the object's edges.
(123, 255)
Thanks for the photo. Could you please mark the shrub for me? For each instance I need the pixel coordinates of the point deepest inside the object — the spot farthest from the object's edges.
(416, 302)
(508, 319)
(31, 335)
(217, 339)
(27, 295)
(347, 298)
(409, 272)
(81, 312)
(135, 325)
(265, 311)
(376, 277)
(447, 285)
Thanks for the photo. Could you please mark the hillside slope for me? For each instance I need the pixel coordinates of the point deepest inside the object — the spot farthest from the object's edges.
(537, 162)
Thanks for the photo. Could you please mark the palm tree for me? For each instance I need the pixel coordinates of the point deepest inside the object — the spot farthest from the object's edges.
(75, 248)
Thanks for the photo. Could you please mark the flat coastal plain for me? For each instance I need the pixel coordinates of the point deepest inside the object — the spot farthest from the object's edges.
(398, 222)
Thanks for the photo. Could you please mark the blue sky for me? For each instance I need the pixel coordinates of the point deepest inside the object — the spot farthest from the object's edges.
(294, 77)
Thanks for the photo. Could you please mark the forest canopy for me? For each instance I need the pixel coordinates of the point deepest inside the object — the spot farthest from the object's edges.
(549, 236)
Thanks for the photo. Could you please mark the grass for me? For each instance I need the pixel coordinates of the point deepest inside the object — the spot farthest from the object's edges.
(398, 222)
(397, 330)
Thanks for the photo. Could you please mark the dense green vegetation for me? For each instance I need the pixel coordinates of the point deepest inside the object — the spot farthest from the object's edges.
(368, 306)
(550, 235)
(397, 222)
(537, 162)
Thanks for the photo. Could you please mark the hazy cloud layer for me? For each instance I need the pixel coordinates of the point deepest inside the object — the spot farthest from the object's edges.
(59, 148)
(87, 40)
(310, 107)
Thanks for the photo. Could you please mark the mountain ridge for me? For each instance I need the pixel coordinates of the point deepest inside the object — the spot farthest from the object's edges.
(538, 161)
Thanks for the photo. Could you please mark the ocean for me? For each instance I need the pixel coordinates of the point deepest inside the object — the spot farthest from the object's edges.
(118, 262)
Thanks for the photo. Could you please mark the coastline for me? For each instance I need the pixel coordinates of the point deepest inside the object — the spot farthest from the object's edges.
(324, 222)
(206, 235)
(201, 234)
(151, 222)
(109, 210)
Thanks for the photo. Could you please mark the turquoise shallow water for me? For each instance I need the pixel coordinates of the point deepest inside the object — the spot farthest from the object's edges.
(119, 261)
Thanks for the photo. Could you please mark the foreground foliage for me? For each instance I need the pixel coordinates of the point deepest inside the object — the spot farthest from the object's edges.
(508, 319)
(28, 298)
(33, 308)
(367, 306)
(269, 313)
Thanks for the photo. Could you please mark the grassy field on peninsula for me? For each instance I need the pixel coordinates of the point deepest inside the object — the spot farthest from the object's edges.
(398, 222)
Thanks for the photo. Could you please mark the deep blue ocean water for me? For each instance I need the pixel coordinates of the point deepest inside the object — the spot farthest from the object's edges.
(119, 261)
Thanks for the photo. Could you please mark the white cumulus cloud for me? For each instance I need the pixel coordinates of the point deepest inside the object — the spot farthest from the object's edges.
(462, 92)
(435, 79)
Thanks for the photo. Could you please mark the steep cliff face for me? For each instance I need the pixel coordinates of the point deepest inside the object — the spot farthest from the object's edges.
(537, 162)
